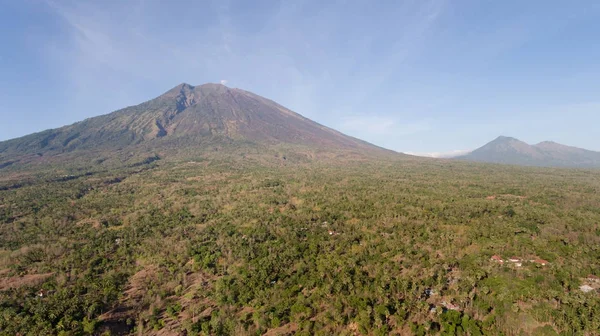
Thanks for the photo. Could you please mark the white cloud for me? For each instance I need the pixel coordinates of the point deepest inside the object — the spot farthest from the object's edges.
(445, 155)
(224, 81)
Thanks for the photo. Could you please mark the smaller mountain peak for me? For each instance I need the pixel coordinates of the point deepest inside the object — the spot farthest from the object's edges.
(505, 138)
(547, 143)
(509, 150)
(551, 145)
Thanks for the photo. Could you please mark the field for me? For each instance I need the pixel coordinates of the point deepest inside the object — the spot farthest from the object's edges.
(229, 245)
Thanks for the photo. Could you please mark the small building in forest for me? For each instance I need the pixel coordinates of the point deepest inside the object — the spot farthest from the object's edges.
(540, 262)
(497, 258)
(429, 292)
(450, 306)
(593, 278)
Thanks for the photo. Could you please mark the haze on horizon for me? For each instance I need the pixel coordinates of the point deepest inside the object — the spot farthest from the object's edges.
(425, 77)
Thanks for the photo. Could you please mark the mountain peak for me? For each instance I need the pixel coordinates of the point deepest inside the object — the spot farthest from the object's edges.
(547, 143)
(187, 95)
(547, 153)
(185, 85)
(505, 138)
(182, 88)
(189, 114)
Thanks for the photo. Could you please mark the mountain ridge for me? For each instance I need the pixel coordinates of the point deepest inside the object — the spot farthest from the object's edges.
(509, 150)
(190, 115)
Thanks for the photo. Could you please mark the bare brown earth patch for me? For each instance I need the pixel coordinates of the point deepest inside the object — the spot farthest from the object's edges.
(115, 320)
(20, 281)
(14, 177)
(91, 222)
(505, 196)
(132, 305)
(287, 329)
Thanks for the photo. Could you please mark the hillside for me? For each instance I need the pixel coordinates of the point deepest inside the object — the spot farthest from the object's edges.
(509, 150)
(193, 118)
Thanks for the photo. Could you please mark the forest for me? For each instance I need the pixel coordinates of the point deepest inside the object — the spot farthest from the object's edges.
(227, 245)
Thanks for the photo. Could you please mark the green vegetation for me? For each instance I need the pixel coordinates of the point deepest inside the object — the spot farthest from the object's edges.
(230, 246)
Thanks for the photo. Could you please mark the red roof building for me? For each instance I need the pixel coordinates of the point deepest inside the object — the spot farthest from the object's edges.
(497, 258)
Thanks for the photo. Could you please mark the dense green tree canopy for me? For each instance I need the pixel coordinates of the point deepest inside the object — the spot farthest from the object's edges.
(232, 246)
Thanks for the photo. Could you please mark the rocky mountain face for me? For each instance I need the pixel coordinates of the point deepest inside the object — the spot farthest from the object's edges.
(188, 116)
(509, 150)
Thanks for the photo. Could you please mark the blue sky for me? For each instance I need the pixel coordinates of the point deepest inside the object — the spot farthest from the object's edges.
(414, 76)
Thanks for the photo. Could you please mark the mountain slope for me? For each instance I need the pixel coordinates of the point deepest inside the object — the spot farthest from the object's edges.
(190, 115)
(509, 150)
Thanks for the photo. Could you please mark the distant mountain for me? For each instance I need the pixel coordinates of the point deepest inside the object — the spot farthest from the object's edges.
(509, 150)
(188, 117)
